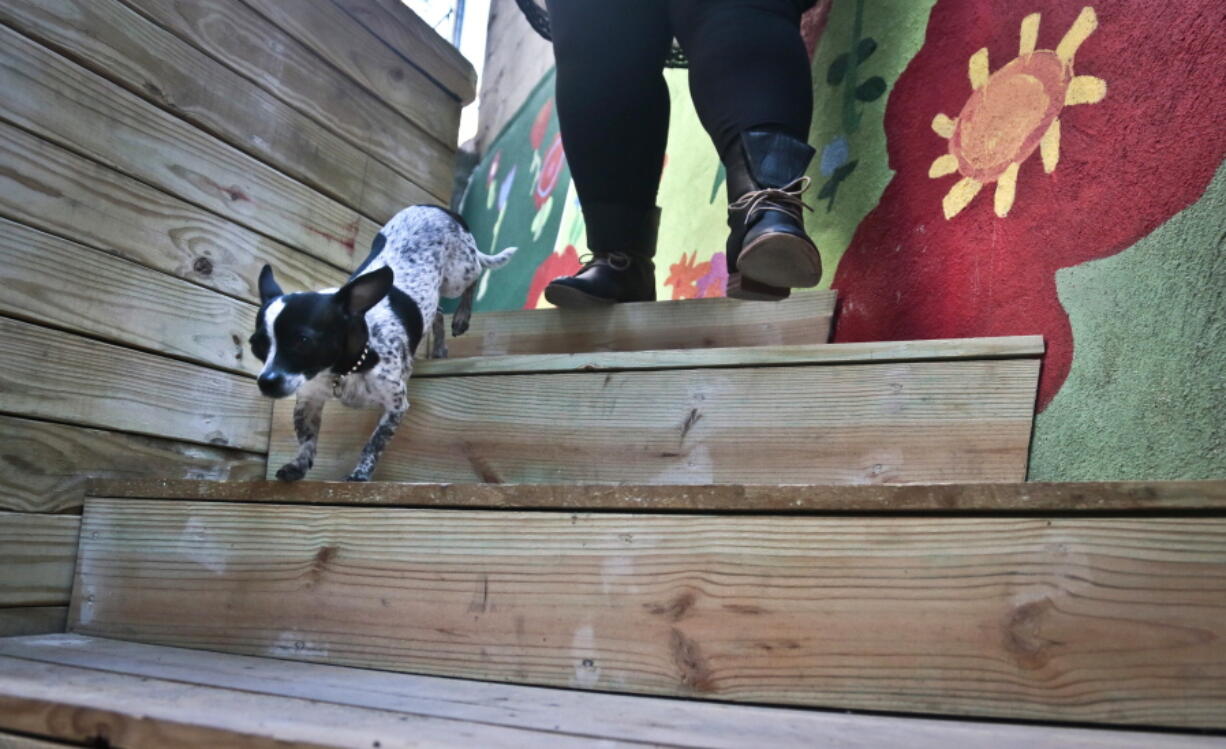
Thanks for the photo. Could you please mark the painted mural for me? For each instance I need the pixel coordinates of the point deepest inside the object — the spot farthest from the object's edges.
(985, 167)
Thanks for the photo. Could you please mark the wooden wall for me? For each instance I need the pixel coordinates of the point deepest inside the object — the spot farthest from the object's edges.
(153, 155)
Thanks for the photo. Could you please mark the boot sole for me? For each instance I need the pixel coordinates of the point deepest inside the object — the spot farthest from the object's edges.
(781, 260)
(567, 297)
(747, 289)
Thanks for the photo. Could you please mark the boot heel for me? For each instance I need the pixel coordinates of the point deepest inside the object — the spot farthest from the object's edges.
(778, 258)
(740, 287)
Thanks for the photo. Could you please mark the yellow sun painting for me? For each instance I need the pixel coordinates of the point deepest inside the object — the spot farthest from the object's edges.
(1012, 112)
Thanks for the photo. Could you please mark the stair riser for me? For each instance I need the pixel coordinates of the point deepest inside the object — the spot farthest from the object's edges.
(896, 422)
(1116, 620)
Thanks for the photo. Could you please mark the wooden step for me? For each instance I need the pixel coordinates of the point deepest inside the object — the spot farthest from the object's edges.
(894, 412)
(92, 690)
(804, 318)
(1109, 609)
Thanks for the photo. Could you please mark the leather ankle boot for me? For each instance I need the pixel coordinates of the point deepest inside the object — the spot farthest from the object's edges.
(623, 242)
(768, 251)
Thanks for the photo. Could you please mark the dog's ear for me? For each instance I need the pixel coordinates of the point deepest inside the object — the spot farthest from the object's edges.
(269, 289)
(365, 291)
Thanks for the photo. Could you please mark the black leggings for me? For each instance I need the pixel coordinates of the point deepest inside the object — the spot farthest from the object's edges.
(748, 70)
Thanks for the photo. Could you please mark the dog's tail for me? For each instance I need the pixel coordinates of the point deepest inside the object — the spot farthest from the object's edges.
(496, 261)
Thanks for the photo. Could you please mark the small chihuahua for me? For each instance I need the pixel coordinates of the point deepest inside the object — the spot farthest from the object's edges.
(356, 343)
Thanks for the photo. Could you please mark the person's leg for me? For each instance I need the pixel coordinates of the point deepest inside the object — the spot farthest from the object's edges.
(752, 88)
(613, 109)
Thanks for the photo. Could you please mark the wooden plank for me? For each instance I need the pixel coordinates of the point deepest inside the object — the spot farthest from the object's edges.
(49, 374)
(56, 191)
(245, 41)
(693, 323)
(404, 31)
(1019, 498)
(333, 35)
(119, 44)
(37, 555)
(62, 102)
(593, 715)
(52, 281)
(13, 741)
(750, 356)
(1091, 619)
(32, 620)
(108, 709)
(47, 465)
(904, 422)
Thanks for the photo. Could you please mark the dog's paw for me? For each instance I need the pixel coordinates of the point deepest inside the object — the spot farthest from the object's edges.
(355, 476)
(291, 472)
(459, 326)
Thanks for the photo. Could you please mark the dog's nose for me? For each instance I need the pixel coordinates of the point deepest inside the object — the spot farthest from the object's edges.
(272, 384)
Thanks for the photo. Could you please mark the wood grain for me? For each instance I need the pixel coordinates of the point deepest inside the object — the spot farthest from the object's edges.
(905, 422)
(245, 41)
(694, 323)
(36, 558)
(583, 714)
(56, 99)
(56, 191)
(52, 281)
(1016, 498)
(109, 709)
(117, 43)
(46, 465)
(14, 741)
(1009, 347)
(404, 31)
(330, 33)
(32, 620)
(49, 374)
(1114, 620)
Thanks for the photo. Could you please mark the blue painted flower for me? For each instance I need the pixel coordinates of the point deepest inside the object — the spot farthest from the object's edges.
(836, 153)
(504, 192)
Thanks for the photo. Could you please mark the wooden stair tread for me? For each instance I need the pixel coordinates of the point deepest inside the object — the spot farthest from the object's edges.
(804, 318)
(77, 688)
(1004, 498)
(1005, 347)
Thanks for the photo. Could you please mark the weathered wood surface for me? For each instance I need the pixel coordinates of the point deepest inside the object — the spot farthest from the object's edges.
(902, 422)
(1114, 620)
(1010, 347)
(49, 374)
(1017, 498)
(56, 282)
(32, 620)
(246, 42)
(404, 31)
(36, 558)
(46, 465)
(48, 187)
(119, 44)
(108, 709)
(589, 716)
(65, 103)
(336, 37)
(693, 323)
(14, 741)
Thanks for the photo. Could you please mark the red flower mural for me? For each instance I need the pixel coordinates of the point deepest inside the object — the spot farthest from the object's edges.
(691, 279)
(540, 125)
(556, 265)
(1127, 163)
(555, 158)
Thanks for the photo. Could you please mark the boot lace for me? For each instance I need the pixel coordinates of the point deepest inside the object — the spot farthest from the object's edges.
(615, 260)
(786, 199)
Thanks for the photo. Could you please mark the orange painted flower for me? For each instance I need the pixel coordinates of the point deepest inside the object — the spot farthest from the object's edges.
(684, 276)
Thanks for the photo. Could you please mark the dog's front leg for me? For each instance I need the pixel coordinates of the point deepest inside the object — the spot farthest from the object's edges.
(308, 413)
(383, 434)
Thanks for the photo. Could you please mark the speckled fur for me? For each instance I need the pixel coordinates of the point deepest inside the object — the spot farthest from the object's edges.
(432, 256)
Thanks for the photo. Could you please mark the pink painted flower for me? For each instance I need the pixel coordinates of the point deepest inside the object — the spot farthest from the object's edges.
(555, 159)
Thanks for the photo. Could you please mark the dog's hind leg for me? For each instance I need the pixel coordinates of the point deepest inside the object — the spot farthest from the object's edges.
(464, 312)
(308, 413)
(384, 431)
(438, 340)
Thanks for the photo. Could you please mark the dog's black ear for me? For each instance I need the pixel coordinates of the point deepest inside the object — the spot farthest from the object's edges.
(365, 291)
(269, 289)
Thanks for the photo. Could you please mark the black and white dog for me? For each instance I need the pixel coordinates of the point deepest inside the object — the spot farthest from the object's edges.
(356, 343)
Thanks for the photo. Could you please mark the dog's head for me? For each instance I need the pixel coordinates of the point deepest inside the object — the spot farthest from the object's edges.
(297, 336)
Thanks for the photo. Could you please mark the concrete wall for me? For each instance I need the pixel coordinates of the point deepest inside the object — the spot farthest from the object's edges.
(985, 168)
